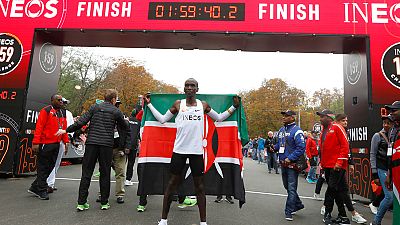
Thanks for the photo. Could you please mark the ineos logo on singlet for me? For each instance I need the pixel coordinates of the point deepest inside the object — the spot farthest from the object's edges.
(191, 117)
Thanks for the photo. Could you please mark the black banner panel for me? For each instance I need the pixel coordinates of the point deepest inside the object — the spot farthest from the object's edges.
(356, 105)
(43, 83)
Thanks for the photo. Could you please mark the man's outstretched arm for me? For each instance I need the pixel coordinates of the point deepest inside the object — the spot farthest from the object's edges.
(224, 115)
(161, 118)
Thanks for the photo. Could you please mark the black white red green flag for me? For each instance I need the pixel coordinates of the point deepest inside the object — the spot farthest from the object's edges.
(222, 142)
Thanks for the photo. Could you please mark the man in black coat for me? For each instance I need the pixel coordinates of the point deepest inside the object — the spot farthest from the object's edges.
(99, 145)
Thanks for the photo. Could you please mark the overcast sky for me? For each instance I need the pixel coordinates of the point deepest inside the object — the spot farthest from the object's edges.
(228, 72)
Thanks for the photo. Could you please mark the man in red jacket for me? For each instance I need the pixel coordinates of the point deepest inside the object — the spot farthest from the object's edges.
(334, 149)
(46, 144)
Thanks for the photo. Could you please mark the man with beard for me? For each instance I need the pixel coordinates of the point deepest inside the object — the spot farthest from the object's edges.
(188, 143)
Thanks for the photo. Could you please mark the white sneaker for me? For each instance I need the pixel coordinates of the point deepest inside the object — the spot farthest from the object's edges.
(374, 209)
(317, 197)
(163, 222)
(128, 183)
(323, 210)
(358, 218)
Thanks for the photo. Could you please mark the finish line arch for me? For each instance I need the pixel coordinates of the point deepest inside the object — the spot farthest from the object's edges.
(32, 34)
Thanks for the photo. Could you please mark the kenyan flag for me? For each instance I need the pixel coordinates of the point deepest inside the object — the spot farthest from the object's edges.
(222, 142)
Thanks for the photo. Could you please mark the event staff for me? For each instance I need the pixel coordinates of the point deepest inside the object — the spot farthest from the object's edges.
(271, 154)
(380, 164)
(62, 151)
(334, 148)
(385, 175)
(134, 125)
(312, 155)
(46, 144)
(291, 145)
(341, 119)
(99, 145)
(188, 143)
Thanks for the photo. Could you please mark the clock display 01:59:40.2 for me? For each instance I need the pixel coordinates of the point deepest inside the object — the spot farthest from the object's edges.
(196, 11)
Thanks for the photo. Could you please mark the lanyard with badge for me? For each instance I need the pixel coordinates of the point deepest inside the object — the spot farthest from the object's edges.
(283, 142)
(58, 118)
(391, 143)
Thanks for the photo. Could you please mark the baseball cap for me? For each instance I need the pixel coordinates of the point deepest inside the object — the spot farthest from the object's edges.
(65, 101)
(288, 112)
(118, 101)
(394, 106)
(326, 112)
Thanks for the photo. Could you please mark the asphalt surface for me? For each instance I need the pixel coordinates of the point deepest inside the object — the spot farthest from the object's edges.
(264, 195)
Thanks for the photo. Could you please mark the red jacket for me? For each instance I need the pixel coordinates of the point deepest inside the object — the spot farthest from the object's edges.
(335, 148)
(47, 126)
(311, 148)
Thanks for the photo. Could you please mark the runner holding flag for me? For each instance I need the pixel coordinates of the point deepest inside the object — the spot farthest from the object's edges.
(188, 143)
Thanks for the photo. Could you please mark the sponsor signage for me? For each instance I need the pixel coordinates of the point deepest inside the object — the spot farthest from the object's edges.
(371, 68)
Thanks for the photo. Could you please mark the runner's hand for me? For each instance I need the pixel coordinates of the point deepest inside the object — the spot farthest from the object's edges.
(351, 168)
(388, 183)
(60, 132)
(147, 98)
(236, 101)
(377, 182)
(337, 167)
(35, 148)
(66, 148)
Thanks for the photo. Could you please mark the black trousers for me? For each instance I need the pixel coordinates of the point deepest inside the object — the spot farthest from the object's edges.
(46, 159)
(336, 191)
(319, 184)
(131, 162)
(104, 155)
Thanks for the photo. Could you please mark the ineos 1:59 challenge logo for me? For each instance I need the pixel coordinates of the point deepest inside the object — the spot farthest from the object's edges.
(29, 8)
(10, 53)
(391, 64)
(48, 58)
(353, 67)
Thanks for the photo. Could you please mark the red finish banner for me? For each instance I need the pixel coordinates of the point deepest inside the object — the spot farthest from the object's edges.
(378, 19)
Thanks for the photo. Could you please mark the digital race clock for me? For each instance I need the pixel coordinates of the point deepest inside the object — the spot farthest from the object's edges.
(196, 11)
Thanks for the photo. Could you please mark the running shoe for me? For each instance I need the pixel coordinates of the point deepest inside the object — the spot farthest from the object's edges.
(374, 209)
(162, 222)
(128, 183)
(229, 199)
(41, 195)
(141, 208)
(187, 203)
(323, 210)
(97, 174)
(327, 219)
(358, 218)
(105, 206)
(83, 207)
(289, 217)
(342, 220)
(218, 199)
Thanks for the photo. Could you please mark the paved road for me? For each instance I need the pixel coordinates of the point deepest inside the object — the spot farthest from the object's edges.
(265, 203)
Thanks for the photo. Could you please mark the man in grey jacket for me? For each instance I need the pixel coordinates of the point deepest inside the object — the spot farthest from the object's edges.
(99, 145)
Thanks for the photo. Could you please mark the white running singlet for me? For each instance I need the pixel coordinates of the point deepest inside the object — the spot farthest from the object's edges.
(189, 134)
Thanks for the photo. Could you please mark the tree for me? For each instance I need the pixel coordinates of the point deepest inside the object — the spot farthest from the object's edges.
(83, 69)
(263, 106)
(130, 80)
